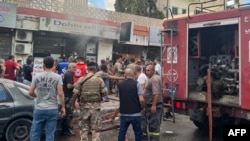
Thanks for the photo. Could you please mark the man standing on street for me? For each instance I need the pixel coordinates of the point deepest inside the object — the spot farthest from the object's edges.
(68, 86)
(157, 66)
(118, 71)
(141, 77)
(2, 67)
(12, 68)
(47, 85)
(62, 66)
(131, 105)
(81, 68)
(153, 109)
(131, 64)
(103, 73)
(28, 71)
(90, 89)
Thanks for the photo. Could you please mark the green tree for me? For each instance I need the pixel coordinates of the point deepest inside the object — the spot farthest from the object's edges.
(139, 7)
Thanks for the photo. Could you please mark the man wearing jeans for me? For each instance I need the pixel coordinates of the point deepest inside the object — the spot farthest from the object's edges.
(131, 105)
(47, 85)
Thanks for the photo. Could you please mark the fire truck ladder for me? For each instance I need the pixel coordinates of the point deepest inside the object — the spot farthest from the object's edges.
(171, 90)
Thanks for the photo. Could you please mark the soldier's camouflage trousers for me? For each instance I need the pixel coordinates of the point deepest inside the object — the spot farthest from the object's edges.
(90, 119)
(151, 123)
(66, 121)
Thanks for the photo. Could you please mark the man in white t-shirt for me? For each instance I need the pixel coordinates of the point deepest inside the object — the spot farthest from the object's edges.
(157, 66)
(141, 77)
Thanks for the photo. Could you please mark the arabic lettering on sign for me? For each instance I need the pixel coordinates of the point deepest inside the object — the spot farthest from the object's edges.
(247, 19)
(4, 8)
(38, 65)
(247, 31)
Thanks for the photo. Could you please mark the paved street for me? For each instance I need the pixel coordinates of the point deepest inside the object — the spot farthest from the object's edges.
(182, 130)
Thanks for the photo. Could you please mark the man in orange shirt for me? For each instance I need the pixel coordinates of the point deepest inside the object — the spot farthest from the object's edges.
(12, 68)
(81, 68)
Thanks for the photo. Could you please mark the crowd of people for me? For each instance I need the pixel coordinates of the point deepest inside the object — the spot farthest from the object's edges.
(15, 70)
(137, 83)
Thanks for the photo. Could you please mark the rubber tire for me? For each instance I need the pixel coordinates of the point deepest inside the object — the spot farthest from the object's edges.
(18, 130)
(203, 126)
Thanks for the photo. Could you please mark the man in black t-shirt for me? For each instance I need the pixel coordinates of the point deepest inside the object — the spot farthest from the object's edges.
(68, 86)
(28, 71)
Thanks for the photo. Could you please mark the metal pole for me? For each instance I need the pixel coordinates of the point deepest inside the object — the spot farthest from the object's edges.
(209, 101)
(172, 91)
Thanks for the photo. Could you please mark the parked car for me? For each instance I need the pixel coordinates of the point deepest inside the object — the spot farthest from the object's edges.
(16, 108)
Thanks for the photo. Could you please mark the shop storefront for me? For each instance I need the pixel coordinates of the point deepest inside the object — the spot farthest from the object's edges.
(42, 33)
(5, 42)
(133, 41)
(65, 37)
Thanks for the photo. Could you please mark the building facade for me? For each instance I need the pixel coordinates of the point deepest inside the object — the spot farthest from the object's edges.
(64, 27)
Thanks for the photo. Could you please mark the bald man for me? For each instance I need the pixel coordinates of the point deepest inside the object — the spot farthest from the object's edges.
(131, 105)
(68, 86)
(154, 105)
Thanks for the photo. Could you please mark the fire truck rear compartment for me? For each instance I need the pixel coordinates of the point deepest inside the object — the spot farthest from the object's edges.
(216, 47)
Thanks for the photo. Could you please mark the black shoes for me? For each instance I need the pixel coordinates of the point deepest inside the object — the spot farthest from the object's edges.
(68, 133)
(167, 116)
(144, 137)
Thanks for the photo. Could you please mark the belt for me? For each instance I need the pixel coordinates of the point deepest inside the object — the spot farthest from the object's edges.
(149, 105)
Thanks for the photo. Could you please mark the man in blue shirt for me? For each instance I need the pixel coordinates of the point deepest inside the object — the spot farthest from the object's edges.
(62, 66)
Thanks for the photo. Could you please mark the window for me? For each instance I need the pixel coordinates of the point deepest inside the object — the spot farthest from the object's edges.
(174, 10)
(3, 95)
(184, 11)
(5, 45)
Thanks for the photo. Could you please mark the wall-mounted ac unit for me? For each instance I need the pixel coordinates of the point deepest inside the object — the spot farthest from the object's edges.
(23, 35)
(23, 48)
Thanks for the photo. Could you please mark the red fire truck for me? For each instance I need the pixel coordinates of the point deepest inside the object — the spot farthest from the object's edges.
(206, 66)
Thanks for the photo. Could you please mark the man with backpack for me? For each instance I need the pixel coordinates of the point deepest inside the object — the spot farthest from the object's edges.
(89, 90)
(27, 70)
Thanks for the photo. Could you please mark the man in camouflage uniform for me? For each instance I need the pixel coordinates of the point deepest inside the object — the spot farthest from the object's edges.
(118, 71)
(132, 64)
(90, 95)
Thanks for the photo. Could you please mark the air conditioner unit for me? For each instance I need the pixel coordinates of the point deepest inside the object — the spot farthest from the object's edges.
(23, 48)
(23, 35)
